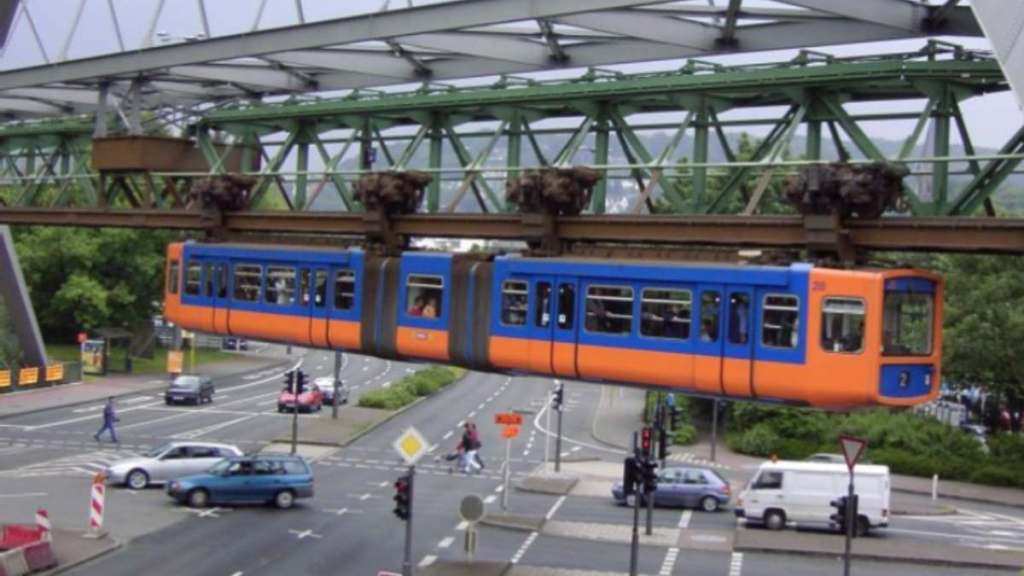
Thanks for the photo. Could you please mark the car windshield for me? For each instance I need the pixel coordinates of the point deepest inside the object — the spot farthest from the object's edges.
(907, 326)
(221, 467)
(157, 451)
(186, 382)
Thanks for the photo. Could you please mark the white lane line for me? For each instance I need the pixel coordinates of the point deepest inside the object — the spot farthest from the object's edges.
(427, 560)
(537, 424)
(239, 573)
(460, 424)
(500, 488)
(736, 564)
(23, 495)
(669, 562)
(447, 435)
(88, 409)
(193, 434)
(554, 508)
(446, 542)
(481, 406)
(490, 499)
(276, 374)
(522, 549)
(684, 520)
(472, 414)
(461, 526)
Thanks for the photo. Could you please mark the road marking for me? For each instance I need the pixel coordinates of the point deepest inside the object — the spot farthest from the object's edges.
(490, 499)
(522, 549)
(447, 435)
(23, 495)
(274, 376)
(576, 449)
(472, 414)
(736, 564)
(89, 409)
(460, 424)
(237, 574)
(446, 542)
(481, 406)
(684, 520)
(500, 488)
(461, 526)
(554, 508)
(300, 534)
(537, 424)
(669, 562)
(366, 496)
(427, 560)
(338, 512)
(193, 434)
(135, 400)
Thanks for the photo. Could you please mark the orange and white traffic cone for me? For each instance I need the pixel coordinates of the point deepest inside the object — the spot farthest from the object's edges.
(96, 501)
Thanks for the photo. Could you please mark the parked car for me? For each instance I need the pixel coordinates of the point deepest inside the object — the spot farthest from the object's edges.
(191, 388)
(264, 479)
(309, 400)
(801, 493)
(168, 462)
(326, 387)
(234, 343)
(691, 487)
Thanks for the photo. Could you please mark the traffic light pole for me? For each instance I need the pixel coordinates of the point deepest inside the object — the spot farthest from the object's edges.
(295, 420)
(407, 557)
(634, 546)
(714, 428)
(850, 521)
(337, 385)
(559, 398)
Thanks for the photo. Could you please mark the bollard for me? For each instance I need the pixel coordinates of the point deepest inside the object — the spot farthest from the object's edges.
(96, 503)
(935, 486)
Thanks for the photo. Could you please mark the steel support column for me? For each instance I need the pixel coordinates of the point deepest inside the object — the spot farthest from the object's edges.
(597, 202)
(18, 304)
(436, 142)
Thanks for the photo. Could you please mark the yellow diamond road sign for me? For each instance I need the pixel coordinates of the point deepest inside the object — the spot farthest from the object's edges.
(411, 445)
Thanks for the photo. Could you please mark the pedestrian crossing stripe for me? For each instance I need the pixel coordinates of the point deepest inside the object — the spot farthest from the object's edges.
(87, 464)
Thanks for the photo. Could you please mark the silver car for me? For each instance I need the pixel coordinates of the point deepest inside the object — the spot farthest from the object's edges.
(168, 462)
(692, 487)
(326, 386)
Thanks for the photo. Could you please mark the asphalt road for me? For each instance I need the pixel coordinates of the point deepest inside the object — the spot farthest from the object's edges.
(47, 459)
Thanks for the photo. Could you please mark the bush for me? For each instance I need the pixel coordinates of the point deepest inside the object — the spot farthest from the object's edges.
(405, 391)
(999, 476)
(684, 435)
(1007, 449)
(391, 398)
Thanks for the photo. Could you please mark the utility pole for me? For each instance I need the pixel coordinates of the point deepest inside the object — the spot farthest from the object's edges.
(298, 382)
(630, 486)
(337, 385)
(403, 509)
(714, 428)
(559, 398)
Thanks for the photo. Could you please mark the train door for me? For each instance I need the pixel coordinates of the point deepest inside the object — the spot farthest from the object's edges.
(540, 347)
(220, 290)
(707, 359)
(313, 282)
(738, 347)
(564, 323)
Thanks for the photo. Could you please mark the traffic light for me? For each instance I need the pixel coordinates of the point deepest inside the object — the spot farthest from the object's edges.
(300, 381)
(676, 413)
(839, 517)
(650, 475)
(289, 380)
(630, 476)
(559, 396)
(662, 444)
(403, 500)
(646, 440)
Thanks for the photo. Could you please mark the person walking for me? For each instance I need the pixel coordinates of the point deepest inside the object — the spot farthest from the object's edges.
(475, 445)
(109, 418)
(468, 461)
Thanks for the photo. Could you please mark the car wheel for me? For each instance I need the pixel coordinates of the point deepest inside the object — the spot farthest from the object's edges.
(284, 499)
(862, 527)
(775, 520)
(630, 500)
(198, 498)
(709, 504)
(137, 479)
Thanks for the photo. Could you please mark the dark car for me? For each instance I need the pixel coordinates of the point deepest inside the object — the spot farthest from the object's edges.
(262, 479)
(691, 487)
(189, 389)
(234, 343)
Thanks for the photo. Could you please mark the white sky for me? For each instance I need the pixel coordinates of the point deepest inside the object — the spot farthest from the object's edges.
(991, 119)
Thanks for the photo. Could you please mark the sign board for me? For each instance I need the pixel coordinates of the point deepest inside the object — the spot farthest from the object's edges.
(510, 432)
(54, 372)
(27, 376)
(508, 418)
(5, 378)
(92, 357)
(411, 445)
(175, 361)
(471, 509)
(853, 449)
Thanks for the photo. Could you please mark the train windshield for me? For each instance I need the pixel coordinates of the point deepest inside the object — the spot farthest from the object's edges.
(907, 326)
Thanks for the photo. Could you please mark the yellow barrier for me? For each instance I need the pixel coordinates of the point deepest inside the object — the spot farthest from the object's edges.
(28, 376)
(54, 372)
(5, 378)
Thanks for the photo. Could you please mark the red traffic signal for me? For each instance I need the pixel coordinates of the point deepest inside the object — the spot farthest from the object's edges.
(403, 499)
(645, 440)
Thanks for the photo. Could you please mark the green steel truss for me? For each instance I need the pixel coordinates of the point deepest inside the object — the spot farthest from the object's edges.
(473, 138)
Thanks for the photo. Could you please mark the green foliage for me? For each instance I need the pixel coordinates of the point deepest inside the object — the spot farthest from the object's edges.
(686, 433)
(83, 279)
(10, 351)
(994, 475)
(1007, 449)
(404, 392)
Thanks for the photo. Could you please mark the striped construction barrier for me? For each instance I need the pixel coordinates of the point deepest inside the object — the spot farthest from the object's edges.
(27, 549)
(96, 501)
(35, 376)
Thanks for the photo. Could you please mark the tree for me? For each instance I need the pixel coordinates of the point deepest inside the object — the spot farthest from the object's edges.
(10, 352)
(82, 279)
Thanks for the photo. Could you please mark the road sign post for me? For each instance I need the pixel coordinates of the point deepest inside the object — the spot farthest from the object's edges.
(634, 545)
(337, 385)
(472, 510)
(853, 449)
(511, 422)
(411, 446)
(559, 399)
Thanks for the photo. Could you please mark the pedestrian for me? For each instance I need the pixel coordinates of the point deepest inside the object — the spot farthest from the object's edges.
(109, 418)
(475, 444)
(468, 461)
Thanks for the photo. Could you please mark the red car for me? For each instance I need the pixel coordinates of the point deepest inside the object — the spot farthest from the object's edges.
(309, 400)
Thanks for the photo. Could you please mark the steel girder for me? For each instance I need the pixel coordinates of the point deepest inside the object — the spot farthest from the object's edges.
(455, 39)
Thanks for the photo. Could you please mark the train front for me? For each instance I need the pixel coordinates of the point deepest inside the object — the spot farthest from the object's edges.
(911, 350)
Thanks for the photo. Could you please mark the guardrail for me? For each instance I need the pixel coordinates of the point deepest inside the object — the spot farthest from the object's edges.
(37, 377)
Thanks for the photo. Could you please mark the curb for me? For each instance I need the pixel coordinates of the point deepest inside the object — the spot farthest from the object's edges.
(597, 418)
(960, 497)
(120, 394)
(880, 558)
(514, 522)
(944, 511)
(61, 568)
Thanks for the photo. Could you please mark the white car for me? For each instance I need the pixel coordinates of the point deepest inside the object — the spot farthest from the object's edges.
(168, 462)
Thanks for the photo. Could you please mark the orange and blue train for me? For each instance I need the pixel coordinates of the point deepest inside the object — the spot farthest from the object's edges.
(796, 334)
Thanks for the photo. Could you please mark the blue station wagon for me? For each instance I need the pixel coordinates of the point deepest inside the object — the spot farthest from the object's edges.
(263, 479)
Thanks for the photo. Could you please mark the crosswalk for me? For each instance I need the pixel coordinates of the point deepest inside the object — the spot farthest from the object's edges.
(433, 467)
(78, 465)
(691, 458)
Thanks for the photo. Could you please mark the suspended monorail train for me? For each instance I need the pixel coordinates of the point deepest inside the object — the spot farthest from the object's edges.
(796, 334)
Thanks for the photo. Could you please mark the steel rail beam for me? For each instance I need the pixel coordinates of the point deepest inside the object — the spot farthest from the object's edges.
(940, 234)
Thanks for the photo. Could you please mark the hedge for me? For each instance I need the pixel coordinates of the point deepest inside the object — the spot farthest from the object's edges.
(686, 433)
(405, 391)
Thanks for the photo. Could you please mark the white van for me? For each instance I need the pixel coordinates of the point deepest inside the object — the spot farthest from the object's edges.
(800, 493)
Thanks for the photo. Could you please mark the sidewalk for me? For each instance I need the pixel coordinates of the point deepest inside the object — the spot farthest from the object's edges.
(101, 387)
(618, 416)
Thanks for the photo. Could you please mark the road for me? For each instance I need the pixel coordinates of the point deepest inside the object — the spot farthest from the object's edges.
(47, 459)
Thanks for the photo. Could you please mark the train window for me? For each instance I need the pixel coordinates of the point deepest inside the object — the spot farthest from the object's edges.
(739, 318)
(514, 302)
(304, 287)
(344, 289)
(280, 285)
(172, 278)
(907, 324)
(780, 321)
(665, 313)
(566, 306)
(542, 316)
(193, 273)
(709, 310)
(247, 282)
(424, 295)
(320, 289)
(208, 276)
(609, 309)
(222, 280)
(842, 325)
